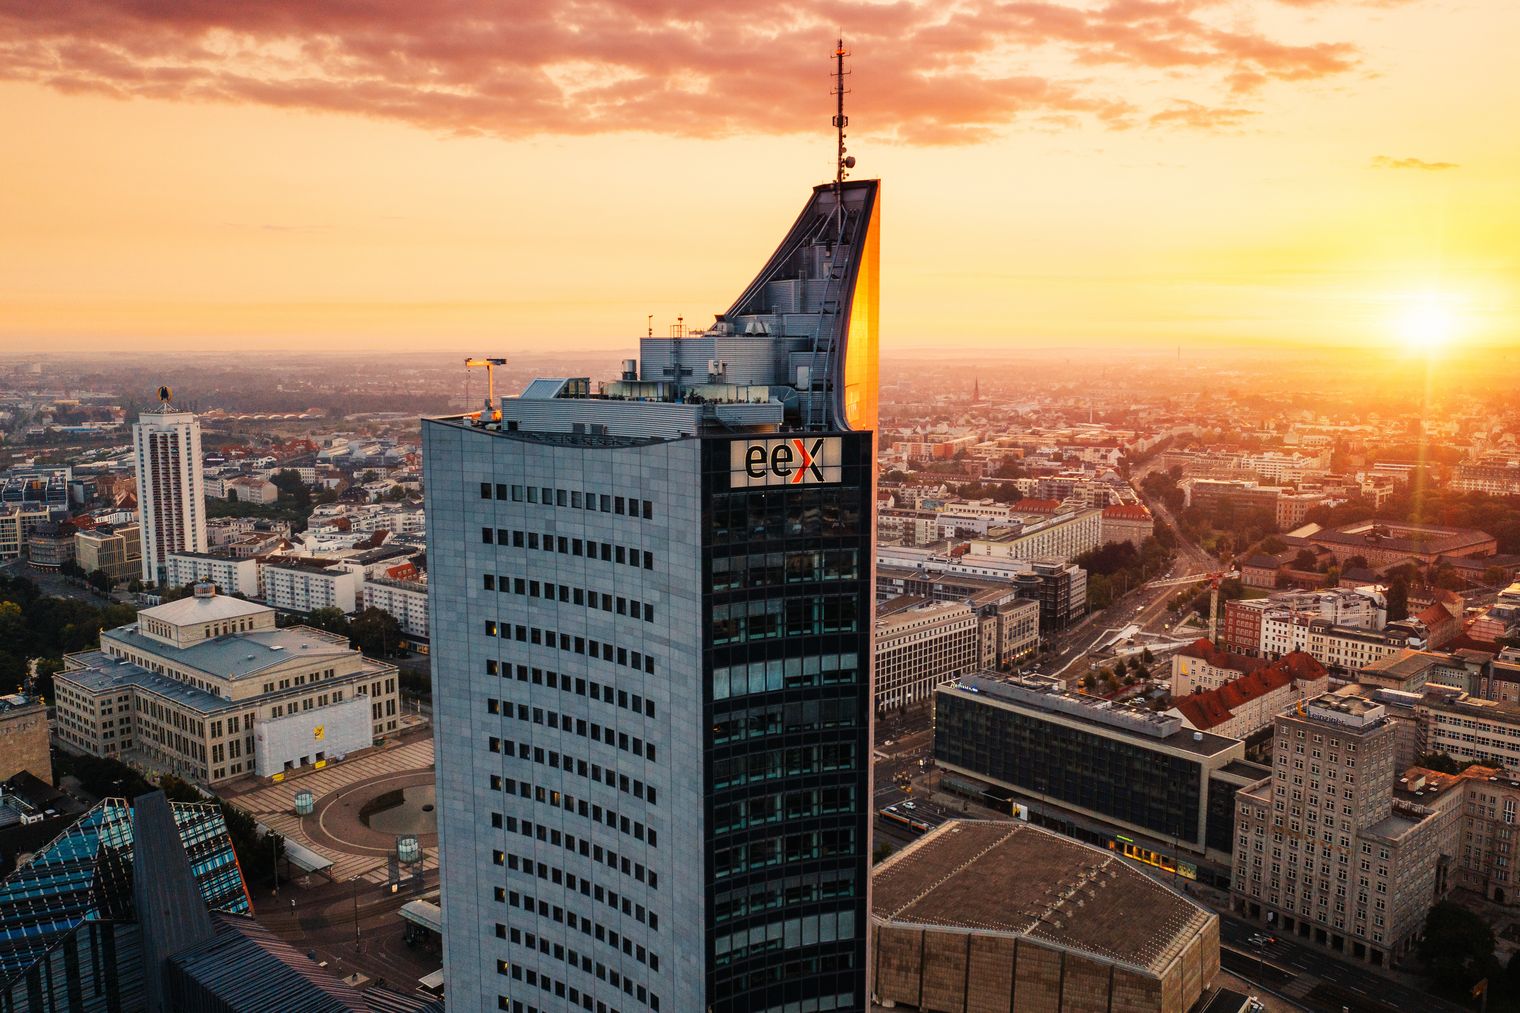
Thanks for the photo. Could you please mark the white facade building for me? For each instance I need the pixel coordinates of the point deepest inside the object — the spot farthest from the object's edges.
(1060, 538)
(302, 587)
(922, 648)
(233, 576)
(406, 600)
(171, 494)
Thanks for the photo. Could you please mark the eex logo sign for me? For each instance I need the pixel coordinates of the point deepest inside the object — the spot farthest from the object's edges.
(797, 460)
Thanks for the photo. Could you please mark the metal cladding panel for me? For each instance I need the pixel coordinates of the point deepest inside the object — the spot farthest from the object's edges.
(334, 730)
(640, 420)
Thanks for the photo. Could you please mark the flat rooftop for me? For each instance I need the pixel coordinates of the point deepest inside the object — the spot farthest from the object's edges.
(1136, 723)
(995, 877)
(239, 655)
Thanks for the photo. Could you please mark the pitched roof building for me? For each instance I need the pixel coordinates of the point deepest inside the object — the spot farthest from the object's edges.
(1244, 706)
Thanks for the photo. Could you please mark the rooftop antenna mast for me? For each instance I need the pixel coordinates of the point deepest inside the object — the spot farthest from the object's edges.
(843, 162)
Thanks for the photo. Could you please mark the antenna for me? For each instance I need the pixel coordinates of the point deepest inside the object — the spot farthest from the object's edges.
(843, 162)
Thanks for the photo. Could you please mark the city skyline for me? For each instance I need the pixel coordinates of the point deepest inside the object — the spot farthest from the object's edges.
(1136, 174)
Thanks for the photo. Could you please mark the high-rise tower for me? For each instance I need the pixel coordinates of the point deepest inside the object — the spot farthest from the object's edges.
(171, 484)
(651, 611)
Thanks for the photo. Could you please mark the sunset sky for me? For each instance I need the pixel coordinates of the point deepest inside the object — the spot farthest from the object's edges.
(496, 177)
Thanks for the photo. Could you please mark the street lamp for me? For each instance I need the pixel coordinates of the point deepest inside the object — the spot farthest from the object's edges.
(356, 909)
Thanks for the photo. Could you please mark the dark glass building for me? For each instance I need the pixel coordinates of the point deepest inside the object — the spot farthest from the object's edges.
(1133, 776)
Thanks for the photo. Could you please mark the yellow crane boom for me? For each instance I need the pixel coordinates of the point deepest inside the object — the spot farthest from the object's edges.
(491, 413)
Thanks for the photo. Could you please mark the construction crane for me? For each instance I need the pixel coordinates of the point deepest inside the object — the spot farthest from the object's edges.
(491, 413)
(1198, 578)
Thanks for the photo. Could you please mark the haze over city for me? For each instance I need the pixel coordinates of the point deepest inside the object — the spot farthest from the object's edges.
(367, 179)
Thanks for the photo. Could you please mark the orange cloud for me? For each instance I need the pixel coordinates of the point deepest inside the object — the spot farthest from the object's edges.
(1386, 162)
(931, 73)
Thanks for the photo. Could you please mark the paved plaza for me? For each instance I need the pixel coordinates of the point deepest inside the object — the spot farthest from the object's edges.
(334, 829)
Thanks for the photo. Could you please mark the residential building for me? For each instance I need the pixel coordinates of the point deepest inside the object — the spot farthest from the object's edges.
(1240, 633)
(1123, 771)
(906, 527)
(406, 600)
(250, 489)
(982, 915)
(208, 688)
(1491, 799)
(171, 493)
(651, 617)
(1126, 522)
(299, 584)
(1060, 538)
(231, 576)
(24, 738)
(1339, 648)
(1498, 476)
(1201, 667)
(1244, 707)
(1325, 851)
(115, 550)
(922, 647)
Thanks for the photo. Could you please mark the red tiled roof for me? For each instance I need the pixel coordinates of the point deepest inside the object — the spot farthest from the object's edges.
(1037, 506)
(1203, 649)
(1207, 710)
(1128, 511)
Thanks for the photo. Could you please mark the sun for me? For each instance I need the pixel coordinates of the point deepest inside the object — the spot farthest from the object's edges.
(1427, 323)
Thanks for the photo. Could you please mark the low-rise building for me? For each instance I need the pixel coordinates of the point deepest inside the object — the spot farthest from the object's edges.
(1127, 522)
(24, 738)
(981, 915)
(207, 687)
(1388, 543)
(1202, 667)
(1243, 707)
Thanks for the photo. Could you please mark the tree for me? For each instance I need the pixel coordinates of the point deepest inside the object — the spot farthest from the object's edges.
(329, 618)
(1441, 762)
(1458, 947)
(1398, 599)
(1272, 545)
(882, 850)
(102, 581)
(71, 568)
(375, 632)
(1305, 560)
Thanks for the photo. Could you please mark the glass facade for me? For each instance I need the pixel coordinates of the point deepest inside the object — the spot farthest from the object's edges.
(1117, 777)
(787, 587)
(86, 875)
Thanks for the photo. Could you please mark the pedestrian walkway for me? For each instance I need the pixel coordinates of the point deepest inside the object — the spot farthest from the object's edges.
(274, 805)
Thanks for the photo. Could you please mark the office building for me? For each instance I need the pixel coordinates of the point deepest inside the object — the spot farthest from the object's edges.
(231, 576)
(1325, 851)
(651, 617)
(1389, 543)
(115, 550)
(1131, 778)
(1469, 729)
(171, 485)
(1202, 667)
(1127, 522)
(982, 916)
(1060, 589)
(921, 647)
(208, 688)
(17, 522)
